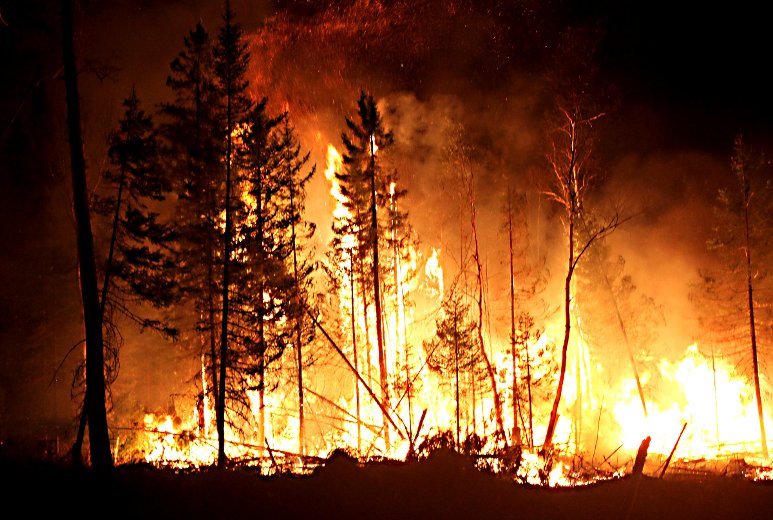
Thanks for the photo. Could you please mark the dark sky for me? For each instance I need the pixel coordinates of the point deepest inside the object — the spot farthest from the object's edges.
(687, 79)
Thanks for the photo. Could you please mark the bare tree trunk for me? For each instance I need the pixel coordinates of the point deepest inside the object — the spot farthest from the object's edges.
(752, 326)
(456, 380)
(221, 458)
(528, 387)
(567, 329)
(261, 407)
(213, 365)
(623, 330)
(382, 365)
(99, 440)
(299, 324)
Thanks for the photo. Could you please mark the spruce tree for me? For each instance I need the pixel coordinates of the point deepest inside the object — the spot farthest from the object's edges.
(192, 151)
(139, 268)
(231, 59)
(454, 349)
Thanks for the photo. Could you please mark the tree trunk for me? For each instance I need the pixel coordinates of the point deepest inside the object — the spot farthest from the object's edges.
(299, 324)
(382, 366)
(752, 326)
(221, 458)
(567, 329)
(213, 365)
(99, 439)
(456, 379)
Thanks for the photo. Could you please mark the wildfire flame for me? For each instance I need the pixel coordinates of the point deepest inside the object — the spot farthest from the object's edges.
(703, 395)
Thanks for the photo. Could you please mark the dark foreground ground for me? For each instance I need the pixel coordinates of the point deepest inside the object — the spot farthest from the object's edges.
(445, 486)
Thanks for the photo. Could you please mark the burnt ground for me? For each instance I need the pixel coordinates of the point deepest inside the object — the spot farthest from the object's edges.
(446, 485)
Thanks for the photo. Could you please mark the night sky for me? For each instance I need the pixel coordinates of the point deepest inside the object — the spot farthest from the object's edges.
(686, 80)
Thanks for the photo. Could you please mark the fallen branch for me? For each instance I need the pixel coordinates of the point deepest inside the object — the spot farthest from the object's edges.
(356, 373)
(668, 460)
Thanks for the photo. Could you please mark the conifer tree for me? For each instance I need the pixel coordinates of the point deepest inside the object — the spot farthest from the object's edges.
(297, 175)
(141, 253)
(192, 154)
(139, 269)
(454, 348)
(231, 59)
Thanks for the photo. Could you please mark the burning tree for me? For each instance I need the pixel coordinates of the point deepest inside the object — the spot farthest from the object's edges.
(293, 169)
(230, 59)
(570, 155)
(735, 302)
(269, 305)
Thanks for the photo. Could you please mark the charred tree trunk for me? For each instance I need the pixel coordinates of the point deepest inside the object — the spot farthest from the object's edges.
(299, 324)
(221, 458)
(641, 457)
(752, 326)
(382, 366)
(456, 382)
(567, 329)
(99, 440)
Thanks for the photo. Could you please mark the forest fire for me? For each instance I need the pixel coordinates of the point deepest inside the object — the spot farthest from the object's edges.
(405, 249)
(386, 344)
(700, 413)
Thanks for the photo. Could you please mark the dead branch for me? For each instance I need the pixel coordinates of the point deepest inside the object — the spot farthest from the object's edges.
(668, 460)
(356, 373)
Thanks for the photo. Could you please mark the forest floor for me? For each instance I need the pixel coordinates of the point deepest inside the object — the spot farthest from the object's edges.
(446, 485)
